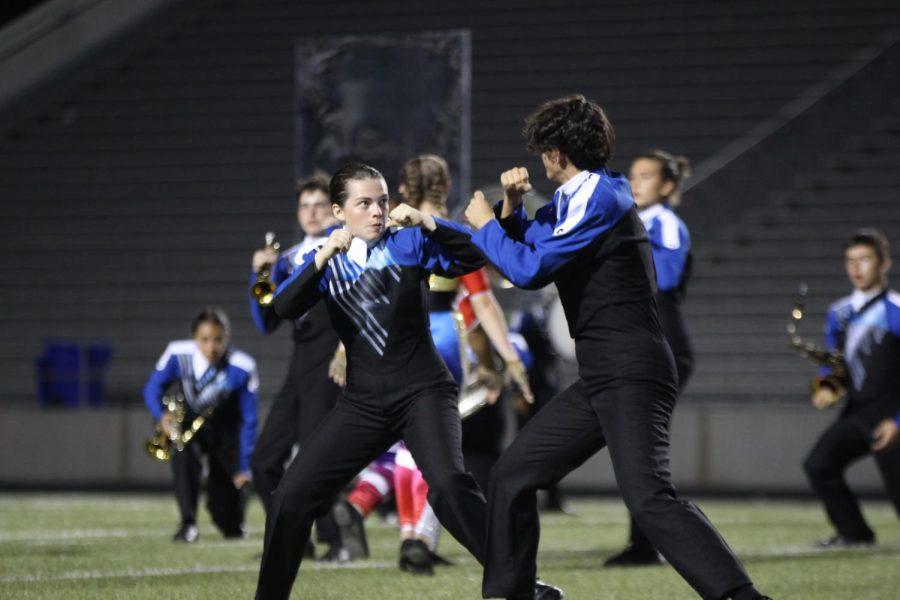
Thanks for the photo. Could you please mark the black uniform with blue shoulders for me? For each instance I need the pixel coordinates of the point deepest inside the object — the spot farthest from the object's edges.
(397, 388)
(590, 242)
(866, 328)
(307, 393)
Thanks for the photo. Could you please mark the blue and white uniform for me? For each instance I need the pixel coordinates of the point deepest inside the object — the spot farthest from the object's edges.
(670, 243)
(866, 328)
(671, 246)
(228, 388)
(227, 436)
(590, 242)
(397, 388)
(307, 393)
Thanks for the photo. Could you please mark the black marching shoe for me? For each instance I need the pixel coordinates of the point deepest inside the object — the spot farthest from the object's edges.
(839, 541)
(353, 532)
(336, 553)
(634, 557)
(415, 557)
(545, 591)
(187, 533)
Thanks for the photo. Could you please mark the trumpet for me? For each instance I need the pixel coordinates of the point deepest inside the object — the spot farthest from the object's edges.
(263, 289)
(162, 445)
(833, 359)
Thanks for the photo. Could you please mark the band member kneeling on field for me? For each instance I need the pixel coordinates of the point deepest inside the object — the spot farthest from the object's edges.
(219, 383)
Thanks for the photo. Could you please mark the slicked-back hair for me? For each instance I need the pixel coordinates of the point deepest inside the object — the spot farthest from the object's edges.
(214, 315)
(575, 126)
(873, 238)
(352, 172)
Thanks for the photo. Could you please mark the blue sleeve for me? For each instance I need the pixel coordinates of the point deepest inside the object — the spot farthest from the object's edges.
(669, 261)
(248, 427)
(550, 243)
(156, 386)
(264, 317)
(300, 292)
(448, 250)
(832, 329)
(517, 225)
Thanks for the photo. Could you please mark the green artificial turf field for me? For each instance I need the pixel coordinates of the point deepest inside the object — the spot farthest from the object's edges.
(103, 546)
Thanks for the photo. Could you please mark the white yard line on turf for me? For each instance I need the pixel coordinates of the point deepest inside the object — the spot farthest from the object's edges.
(160, 572)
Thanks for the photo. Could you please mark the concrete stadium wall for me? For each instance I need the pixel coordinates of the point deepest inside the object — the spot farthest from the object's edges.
(716, 448)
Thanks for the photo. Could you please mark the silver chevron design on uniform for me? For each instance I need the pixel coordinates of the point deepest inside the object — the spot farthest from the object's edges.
(354, 289)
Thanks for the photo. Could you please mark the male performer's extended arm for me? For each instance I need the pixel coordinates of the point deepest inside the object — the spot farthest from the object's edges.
(549, 243)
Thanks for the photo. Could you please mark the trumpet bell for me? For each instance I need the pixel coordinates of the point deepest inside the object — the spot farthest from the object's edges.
(264, 292)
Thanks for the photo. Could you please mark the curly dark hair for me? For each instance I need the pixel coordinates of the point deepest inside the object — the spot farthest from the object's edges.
(575, 126)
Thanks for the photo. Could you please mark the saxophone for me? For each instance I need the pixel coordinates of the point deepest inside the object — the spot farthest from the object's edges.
(833, 359)
(161, 446)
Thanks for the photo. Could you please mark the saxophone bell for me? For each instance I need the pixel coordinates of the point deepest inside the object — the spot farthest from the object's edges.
(164, 444)
(833, 359)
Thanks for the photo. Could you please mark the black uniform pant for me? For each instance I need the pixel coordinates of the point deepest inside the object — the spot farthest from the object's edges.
(845, 442)
(306, 396)
(224, 502)
(351, 436)
(682, 350)
(632, 421)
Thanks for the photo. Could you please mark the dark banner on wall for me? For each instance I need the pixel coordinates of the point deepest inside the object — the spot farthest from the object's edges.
(382, 99)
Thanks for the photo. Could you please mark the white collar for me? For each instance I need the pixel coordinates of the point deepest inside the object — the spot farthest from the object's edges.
(359, 250)
(199, 363)
(651, 212)
(566, 190)
(860, 298)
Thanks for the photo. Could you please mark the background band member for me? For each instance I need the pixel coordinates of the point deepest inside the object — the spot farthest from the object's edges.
(307, 393)
(213, 376)
(590, 241)
(424, 185)
(655, 178)
(865, 327)
(374, 282)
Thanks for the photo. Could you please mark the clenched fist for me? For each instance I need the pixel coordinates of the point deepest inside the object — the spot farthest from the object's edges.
(338, 241)
(515, 184)
(407, 216)
(479, 211)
